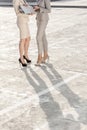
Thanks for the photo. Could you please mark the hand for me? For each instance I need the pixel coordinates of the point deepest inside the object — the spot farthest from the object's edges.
(32, 13)
(36, 8)
(25, 4)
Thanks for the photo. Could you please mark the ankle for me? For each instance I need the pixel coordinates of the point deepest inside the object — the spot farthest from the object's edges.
(26, 56)
(22, 59)
(45, 57)
(39, 59)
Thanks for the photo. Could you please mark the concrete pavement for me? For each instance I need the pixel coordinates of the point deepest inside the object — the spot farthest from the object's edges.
(51, 97)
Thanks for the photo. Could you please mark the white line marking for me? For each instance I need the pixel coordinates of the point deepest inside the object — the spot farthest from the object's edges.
(76, 72)
(13, 93)
(29, 100)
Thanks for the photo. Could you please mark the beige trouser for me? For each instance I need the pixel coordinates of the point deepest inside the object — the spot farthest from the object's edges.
(41, 36)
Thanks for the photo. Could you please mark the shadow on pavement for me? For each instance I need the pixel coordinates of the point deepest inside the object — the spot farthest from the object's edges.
(51, 108)
(74, 100)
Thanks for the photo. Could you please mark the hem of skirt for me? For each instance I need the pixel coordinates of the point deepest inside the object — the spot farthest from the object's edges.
(25, 37)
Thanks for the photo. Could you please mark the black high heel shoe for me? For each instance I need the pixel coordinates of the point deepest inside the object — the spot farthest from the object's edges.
(23, 64)
(28, 61)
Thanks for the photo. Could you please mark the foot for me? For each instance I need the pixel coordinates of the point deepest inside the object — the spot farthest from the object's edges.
(38, 63)
(22, 63)
(27, 59)
(45, 59)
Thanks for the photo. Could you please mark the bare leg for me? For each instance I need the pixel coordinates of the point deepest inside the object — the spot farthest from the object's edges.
(21, 49)
(39, 58)
(26, 47)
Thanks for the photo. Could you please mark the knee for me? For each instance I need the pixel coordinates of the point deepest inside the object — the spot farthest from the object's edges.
(22, 40)
(39, 37)
(28, 39)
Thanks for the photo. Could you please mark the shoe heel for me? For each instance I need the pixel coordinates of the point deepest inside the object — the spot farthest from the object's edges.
(27, 60)
(38, 63)
(23, 64)
(46, 60)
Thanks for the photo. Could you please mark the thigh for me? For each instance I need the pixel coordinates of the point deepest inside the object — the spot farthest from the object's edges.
(24, 30)
(41, 27)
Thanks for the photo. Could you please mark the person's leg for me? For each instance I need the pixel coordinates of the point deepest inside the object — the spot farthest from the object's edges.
(40, 33)
(22, 30)
(39, 43)
(45, 47)
(26, 47)
(21, 49)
